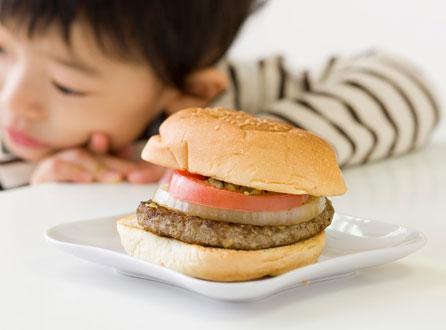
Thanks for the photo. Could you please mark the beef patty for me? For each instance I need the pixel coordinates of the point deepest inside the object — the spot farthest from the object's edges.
(195, 230)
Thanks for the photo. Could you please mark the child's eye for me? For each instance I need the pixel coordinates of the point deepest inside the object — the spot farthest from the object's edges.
(67, 91)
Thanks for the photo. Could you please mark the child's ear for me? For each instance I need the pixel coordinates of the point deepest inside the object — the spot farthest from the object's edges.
(202, 87)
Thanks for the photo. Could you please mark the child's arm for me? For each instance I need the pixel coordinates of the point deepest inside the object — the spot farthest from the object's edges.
(369, 107)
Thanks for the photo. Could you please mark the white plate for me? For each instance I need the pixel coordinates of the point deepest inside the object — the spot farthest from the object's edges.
(352, 244)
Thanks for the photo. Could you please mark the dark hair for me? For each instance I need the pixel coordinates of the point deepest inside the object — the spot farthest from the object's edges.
(176, 37)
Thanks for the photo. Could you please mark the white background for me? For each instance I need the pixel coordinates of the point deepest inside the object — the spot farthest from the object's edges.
(309, 32)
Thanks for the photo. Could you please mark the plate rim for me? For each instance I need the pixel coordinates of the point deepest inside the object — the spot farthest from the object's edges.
(272, 284)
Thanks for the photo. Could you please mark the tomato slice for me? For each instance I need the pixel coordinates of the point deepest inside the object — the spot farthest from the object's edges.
(193, 188)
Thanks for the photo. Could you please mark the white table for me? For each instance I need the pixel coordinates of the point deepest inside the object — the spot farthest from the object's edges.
(44, 288)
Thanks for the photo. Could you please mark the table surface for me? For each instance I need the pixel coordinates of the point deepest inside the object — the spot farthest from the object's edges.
(44, 288)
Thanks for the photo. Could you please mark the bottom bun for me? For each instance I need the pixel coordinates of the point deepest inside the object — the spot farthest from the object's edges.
(216, 264)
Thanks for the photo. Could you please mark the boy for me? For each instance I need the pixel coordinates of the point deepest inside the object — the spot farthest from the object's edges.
(81, 81)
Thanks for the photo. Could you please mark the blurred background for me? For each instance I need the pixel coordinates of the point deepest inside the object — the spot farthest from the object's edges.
(308, 32)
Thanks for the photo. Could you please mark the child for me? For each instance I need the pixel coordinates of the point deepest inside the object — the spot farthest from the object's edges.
(82, 81)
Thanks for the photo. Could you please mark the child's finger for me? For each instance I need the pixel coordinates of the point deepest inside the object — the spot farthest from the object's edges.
(58, 170)
(81, 158)
(126, 152)
(117, 164)
(108, 176)
(99, 166)
(99, 143)
(146, 173)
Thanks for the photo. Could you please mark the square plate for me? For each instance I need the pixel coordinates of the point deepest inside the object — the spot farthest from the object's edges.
(352, 244)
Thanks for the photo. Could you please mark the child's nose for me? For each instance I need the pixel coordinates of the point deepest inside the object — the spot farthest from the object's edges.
(21, 97)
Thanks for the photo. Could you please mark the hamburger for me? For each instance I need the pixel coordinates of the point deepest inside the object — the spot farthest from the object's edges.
(246, 199)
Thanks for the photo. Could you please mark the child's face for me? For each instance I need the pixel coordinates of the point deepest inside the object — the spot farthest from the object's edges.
(54, 97)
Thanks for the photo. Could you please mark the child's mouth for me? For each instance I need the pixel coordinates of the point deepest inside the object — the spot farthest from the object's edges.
(24, 140)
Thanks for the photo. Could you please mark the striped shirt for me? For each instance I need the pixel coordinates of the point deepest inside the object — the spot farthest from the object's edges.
(368, 107)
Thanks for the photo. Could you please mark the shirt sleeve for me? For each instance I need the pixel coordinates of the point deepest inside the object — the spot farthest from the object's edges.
(370, 106)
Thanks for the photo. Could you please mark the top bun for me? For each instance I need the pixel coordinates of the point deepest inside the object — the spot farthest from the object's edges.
(236, 147)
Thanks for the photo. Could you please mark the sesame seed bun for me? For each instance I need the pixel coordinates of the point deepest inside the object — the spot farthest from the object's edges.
(236, 147)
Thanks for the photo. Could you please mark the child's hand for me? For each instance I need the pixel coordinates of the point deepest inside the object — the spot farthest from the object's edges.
(82, 165)
(143, 172)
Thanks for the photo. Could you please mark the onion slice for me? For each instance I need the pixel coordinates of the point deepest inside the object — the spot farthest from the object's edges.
(313, 207)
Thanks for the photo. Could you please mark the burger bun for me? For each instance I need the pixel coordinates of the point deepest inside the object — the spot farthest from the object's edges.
(216, 264)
